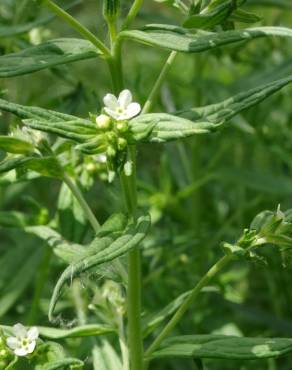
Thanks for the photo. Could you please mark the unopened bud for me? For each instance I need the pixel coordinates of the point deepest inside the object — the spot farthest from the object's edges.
(122, 143)
(122, 126)
(111, 152)
(103, 122)
(111, 9)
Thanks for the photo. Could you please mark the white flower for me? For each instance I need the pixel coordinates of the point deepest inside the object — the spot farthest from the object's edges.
(24, 341)
(121, 108)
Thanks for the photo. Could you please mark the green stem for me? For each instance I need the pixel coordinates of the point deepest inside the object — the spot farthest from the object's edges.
(149, 103)
(88, 35)
(135, 338)
(77, 193)
(132, 13)
(187, 303)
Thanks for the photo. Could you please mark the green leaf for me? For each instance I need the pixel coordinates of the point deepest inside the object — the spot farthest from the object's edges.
(105, 357)
(243, 16)
(130, 239)
(285, 4)
(162, 127)
(223, 347)
(230, 107)
(80, 331)
(175, 38)
(63, 363)
(14, 30)
(151, 322)
(14, 145)
(19, 280)
(46, 166)
(78, 129)
(210, 19)
(46, 55)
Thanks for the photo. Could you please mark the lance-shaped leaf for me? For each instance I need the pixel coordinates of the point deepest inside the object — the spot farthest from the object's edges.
(179, 39)
(230, 107)
(28, 112)
(162, 127)
(78, 130)
(14, 145)
(285, 4)
(223, 347)
(46, 166)
(77, 332)
(46, 55)
(131, 238)
(65, 363)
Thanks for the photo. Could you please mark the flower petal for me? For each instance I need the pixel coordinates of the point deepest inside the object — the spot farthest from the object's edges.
(112, 113)
(125, 98)
(21, 351)
(31, 347)
(19, 330)
(33, 333)
(110, 101)
(12, 342)
(133, 109)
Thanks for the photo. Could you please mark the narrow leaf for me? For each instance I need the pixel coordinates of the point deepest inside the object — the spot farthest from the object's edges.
(224, 347)
(46, 55)
(14, 145)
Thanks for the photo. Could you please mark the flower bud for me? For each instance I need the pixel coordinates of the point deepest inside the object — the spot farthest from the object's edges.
(122, 143)
(111, 9)
(122, 126)
(111, 152)
(103, 122)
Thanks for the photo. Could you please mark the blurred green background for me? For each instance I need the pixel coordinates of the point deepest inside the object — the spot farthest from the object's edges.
(200, 191)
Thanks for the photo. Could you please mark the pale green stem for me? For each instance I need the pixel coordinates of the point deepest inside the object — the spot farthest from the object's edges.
(156, 88)
(77, 193)
(187, 303)
(132, 13)
(88, 35)
(79, 303)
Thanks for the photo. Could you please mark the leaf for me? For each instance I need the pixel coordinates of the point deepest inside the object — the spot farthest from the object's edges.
(162, 127)
(78, 129)
(181, 40)
(285, 4)
(14, 30)
(14, 145)
(210, 19)
(224, 347)
(19, 280)
(151, 322)
(80, 331)
(63, 363)
(105, 357)
(46, 55)
(131, 238)
(46, 166)
(230, 107)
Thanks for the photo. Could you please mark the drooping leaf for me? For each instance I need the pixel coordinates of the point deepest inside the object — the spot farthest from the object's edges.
(130, 239)
(162, 127)
(230, 107)
(179, 39)
(73, 363)
(46, 55)
(105, 357)
(223, 347)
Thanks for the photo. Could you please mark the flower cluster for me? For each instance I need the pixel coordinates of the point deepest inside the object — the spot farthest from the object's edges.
(114, 128)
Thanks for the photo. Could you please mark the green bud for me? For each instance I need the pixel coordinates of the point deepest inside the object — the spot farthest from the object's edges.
(111, 9)
(122, 143)
(103, 122)
(111, 137)
(111, 152)
(122, 126)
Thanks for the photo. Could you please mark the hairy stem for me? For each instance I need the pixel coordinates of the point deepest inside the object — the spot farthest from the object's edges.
(86, 209)
(82, 30)
(132, 13)
(153, 94)
(187, 303)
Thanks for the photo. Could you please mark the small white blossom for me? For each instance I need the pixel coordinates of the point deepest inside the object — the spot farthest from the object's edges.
(24, 341)
(121, 108)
